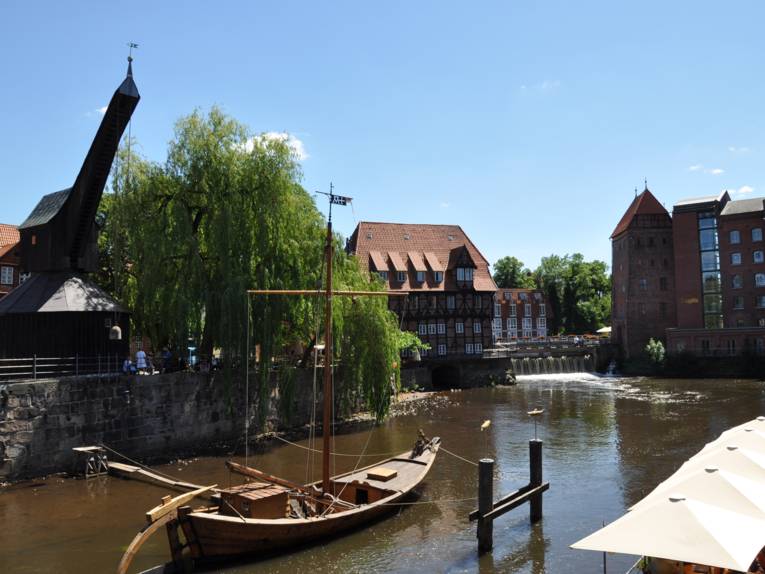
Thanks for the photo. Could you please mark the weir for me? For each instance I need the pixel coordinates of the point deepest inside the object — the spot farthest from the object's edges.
(553, 365)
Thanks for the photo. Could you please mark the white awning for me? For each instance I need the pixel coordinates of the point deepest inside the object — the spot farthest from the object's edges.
(711, 511)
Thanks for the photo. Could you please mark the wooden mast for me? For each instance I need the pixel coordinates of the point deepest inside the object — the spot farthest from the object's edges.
(327, 388)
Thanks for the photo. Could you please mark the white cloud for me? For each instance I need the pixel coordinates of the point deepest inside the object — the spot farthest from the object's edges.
(296, 146)
(712, 171)
(734, 149)
(744, 189)
(545, 86)
(444, 205)
(102, 110)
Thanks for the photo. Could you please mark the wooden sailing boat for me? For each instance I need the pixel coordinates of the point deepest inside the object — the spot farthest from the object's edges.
(274, 514)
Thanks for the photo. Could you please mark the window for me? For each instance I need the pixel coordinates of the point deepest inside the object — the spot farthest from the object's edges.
(477, 301)
(541, 323)
(523, 296)
(735, 237)
(478, 348)
(497, 310)
(759, 279)
(757, 234)
(439, 276)
(450, 302)
(496, 326)
(432, 329)
(442, 328)
(459, 327)
(423, 330)
(641, 308)
(468, 348)
(400, 276)
(424, 352)
(526, 323)
(542, 310)
(759, 302)
(383, 275)
(663, 310)
(757, 257)
(442, 350)
(477, 327)
(737, 282)
(735, 258)
(738, 302)
(663, 283)
(710, 261)
(665, 262)
(512, 324)
(507, 295)
(708, 239)
(643, 284)
(711, 282)
(527, 309)
(420, 277)
(464, 273)
(512, 310)
(6, 275)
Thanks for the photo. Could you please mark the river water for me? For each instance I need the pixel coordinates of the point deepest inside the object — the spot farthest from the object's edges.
(607, 442)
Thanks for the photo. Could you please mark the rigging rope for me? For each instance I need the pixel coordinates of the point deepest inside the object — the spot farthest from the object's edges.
(458, 456)
(444, 501)
(284, 440)
(143, 466)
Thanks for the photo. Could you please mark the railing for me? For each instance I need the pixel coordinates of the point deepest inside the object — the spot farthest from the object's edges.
(53, 367)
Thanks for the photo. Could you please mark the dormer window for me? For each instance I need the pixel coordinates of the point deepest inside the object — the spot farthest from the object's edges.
(464, 274)
(383, 275)
(439, 276)
(401, 276)
(420, 277)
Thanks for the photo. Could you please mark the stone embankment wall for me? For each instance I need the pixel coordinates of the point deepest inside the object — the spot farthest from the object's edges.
(144, 417)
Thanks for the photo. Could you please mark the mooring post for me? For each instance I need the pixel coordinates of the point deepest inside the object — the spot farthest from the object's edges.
(535, 475)
(485, 504)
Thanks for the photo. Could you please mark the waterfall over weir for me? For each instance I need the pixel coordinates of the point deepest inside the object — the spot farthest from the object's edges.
(551, 365)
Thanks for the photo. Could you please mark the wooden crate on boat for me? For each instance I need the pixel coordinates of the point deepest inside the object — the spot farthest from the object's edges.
(382, 474)
(255, 501)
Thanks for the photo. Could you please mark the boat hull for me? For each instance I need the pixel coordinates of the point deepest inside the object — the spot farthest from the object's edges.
(217, 536)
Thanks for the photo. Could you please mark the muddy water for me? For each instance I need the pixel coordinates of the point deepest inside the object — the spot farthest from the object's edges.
(607, 442)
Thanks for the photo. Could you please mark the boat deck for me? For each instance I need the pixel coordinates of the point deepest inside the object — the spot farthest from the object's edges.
(407, 471)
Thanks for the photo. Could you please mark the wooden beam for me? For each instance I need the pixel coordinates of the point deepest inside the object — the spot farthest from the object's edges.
(140, 538)
(170, 504)
(508, 506)
(508, 497)
(315, 292)
(259, 474)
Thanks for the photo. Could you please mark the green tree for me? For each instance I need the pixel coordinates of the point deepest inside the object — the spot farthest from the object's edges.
(656, 354)
(183, 240)
(578, 292)
(509, 273)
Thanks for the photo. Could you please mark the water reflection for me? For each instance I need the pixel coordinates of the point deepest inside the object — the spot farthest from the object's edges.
(607, 442)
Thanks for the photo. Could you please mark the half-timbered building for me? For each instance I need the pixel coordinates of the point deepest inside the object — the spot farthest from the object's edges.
(451, 294)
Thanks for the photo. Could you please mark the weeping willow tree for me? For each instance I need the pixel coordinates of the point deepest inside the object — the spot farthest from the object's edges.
(183, 240)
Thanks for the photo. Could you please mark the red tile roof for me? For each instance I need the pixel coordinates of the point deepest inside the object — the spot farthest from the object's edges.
(9, 234)
(643, 204)
(439, 245)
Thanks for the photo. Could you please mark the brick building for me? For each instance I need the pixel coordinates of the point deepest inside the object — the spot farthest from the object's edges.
(451, 294)
(10, 261)
(520, 314)
(642, 262)
(717, 285)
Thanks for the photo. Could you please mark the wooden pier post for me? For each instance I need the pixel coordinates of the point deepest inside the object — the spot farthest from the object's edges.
(535, 479)
(485, 504)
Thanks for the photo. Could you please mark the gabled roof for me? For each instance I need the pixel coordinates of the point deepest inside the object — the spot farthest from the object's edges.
(433, 247)
(643, 204)
(46, 208)
(9, 234)
(57, 292)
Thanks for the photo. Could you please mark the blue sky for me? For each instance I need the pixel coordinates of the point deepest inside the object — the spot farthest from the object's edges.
(528, 123)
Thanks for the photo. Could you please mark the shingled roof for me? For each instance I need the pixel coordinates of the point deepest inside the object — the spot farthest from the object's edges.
(58, 292)
(436, 247)
(643, 204)
(9, 234)
(46, 208)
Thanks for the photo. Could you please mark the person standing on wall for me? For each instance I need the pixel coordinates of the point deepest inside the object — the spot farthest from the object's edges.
(140, 361)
